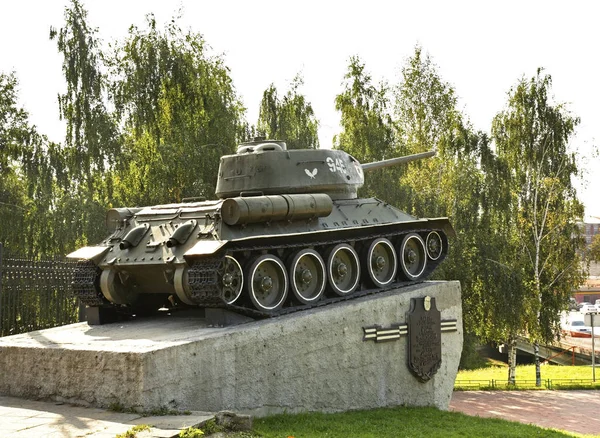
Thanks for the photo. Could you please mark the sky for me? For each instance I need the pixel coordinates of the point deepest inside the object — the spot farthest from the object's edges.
(481, 48)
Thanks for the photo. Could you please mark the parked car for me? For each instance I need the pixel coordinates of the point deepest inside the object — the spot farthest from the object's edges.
(587, 307)
(578, 329)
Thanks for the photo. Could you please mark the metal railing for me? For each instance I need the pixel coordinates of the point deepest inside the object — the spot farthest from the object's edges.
(501, 384)
(35, 294)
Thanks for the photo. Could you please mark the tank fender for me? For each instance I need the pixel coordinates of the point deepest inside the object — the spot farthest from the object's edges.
(205, 247)
(93, 253)
(444, 224)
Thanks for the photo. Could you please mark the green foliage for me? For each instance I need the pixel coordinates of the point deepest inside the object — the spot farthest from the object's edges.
(132, 433)
(452, 184)
(593, 252)
(14, 130)
(425, 107)
(191, 432)
(180, 113)
(509, 196)
(119, 407)
(28, 174)
(135, 121)
(531, 137)
(91, 141)
(211, 427)
(367, 129)
(290, 119)
(471, 359)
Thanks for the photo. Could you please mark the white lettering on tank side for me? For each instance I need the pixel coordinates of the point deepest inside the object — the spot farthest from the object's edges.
(336, 166)
(331, 164)
(312, 174)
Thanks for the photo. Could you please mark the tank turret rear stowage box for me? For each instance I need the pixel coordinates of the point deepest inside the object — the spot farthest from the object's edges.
(287, 232)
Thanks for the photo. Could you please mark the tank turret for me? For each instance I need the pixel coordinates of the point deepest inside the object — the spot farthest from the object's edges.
(287, 232)
(268, 168)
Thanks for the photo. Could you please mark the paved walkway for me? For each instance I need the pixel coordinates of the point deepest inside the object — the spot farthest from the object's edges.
(573, 411)
(21, 418)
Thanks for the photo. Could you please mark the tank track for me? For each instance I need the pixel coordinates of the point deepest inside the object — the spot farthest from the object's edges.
(203, 279)
(257, 314)
(207, 289)
(85, 285)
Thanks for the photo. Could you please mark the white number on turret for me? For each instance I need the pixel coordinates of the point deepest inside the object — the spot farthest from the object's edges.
(337, 165)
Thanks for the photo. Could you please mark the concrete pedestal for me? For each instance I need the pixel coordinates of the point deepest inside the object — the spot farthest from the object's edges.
(313, 360)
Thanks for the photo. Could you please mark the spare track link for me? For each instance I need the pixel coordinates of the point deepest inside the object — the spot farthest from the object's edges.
(209, 296)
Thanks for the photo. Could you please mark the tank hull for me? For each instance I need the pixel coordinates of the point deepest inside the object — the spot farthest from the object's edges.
(188, 254)
(288, 233)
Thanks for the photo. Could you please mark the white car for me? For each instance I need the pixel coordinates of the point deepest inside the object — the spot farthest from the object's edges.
(578, 329)
(587, 308)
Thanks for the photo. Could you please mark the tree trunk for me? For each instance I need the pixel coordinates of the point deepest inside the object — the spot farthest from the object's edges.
(512, 360)
(536, 354)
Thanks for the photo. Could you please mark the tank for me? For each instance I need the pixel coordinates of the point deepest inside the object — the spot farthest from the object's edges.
(287, 232)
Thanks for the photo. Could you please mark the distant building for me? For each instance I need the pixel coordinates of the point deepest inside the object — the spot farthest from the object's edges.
(591, 227)
(590, 291)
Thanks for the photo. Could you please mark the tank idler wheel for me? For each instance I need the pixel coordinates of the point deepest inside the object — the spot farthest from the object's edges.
(267, 282)
(113, 289)
(231, 279)
(307, 275)
(413, 257)
(434, 245)
(343, 269)
(381, 262)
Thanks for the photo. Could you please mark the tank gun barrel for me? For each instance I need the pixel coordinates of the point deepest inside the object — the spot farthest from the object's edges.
(394, 161)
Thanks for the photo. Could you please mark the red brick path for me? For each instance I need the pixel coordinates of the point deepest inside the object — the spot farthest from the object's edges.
(573, 411)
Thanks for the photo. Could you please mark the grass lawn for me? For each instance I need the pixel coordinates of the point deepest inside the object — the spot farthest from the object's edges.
(393, 423)
(528, 372)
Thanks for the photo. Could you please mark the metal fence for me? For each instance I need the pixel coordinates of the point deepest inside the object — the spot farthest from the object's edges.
(35, 294)
(496, 384)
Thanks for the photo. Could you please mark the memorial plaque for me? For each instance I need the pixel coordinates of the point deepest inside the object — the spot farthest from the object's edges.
(424, 338)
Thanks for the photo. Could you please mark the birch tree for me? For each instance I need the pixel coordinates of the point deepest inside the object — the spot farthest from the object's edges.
(531, 136)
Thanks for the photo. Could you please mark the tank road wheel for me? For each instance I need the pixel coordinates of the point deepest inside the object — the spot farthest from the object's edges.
(413, 256)
(381, 262)
(343, 269)
(307, 275)
(434, 245)
(231, 279)
(267, 282)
